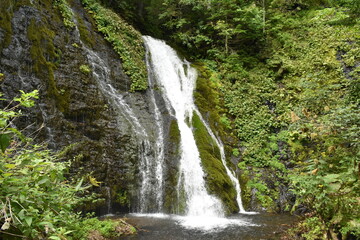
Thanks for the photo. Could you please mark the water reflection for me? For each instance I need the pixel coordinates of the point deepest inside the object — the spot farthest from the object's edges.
(239, 226)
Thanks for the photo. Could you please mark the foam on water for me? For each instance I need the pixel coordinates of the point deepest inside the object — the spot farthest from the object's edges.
(201, 223)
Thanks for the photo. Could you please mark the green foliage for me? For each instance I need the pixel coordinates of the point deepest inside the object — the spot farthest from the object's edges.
(85, 69)
(126, 41)
(36, 200)
(66, 12)
(8, 114)
(262, 193)
(216, 25)
(311, 229)
(353, 5)
(35, 195)
(123, 198)
(236, 152)
(104, 227)
(327, 175)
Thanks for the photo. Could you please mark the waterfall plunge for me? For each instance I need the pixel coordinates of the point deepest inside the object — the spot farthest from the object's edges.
(177, 80)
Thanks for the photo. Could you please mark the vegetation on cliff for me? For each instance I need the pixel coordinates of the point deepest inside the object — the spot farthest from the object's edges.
(37, 201)
(288, 77)
(126, 41)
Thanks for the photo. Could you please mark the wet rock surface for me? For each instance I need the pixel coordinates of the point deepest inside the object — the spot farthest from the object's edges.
(72, 114)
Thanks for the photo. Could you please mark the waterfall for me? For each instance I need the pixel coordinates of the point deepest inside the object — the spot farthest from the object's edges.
(177, 81)
(159, 141)
(151, 194)
(151, 157)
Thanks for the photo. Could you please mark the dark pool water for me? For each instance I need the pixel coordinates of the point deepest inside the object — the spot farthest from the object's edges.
(239, 226)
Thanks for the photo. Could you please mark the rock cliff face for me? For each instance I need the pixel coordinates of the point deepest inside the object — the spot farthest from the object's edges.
(86, 110)
(73, 114)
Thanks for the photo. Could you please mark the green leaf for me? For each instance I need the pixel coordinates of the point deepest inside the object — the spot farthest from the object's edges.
(4, 141)
(18, 133)
(28, 220)
(43, 180)
(330, 178)
(21, 214)
(22, 198)
(78, 186)
(10, 166)
(49, 224)
(54, 238)
(3, 122)
(334, 187)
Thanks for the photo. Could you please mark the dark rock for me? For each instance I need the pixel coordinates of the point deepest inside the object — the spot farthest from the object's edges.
(73, 114)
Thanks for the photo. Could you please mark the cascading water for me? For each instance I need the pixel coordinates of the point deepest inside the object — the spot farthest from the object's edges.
(159, 142)
(177, 80)
(150, 163)
(151, 193)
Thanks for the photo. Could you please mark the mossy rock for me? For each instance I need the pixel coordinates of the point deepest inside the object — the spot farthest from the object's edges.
(5, 23)
(45, 59)
(209, 100)
(172, 202)
(217, 180)
(86, 34)
(174, 132)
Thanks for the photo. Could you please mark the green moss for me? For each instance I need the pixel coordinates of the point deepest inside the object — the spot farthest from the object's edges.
(45, 57)
(85, 34)
(126, 41)
(66, 12)
(209, 100)
(173, 203)
(217, 180)
(174, 132)
(7, 11)
(207, 94)
(85, 69)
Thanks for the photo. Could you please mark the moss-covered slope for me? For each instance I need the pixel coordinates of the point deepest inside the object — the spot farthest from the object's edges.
(218, 182)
